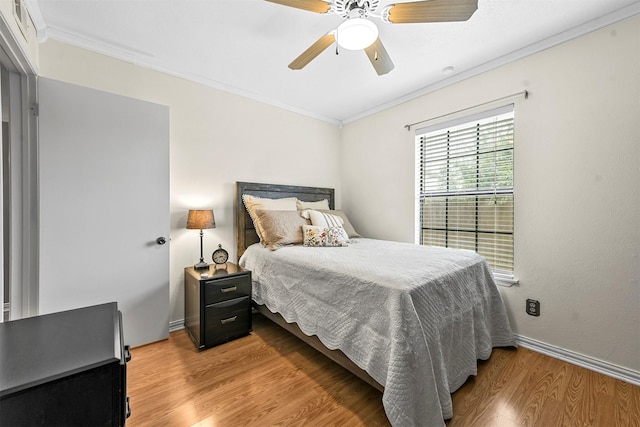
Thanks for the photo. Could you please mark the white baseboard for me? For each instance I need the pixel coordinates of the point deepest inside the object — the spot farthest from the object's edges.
(587, 362)
(176, 325)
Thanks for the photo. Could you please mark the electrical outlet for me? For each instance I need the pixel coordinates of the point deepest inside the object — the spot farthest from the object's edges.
(533, 307)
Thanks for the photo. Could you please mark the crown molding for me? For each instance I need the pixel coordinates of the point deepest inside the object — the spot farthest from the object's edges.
(38, 20)
(145, 59)
(586, 28)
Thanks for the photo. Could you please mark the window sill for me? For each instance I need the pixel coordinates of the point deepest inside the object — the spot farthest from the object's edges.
(506, 283)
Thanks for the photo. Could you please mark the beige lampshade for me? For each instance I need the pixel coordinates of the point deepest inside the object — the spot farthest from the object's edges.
(199, 219)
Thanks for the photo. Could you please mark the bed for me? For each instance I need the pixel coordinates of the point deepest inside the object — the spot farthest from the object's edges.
(410, 320)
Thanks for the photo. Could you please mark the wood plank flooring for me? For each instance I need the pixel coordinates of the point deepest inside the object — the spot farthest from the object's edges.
(271, 378)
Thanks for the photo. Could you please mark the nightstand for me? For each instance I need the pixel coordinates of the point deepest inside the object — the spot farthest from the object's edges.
(217, 308)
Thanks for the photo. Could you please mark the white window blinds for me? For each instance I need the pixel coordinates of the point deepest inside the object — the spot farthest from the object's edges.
(466, 187)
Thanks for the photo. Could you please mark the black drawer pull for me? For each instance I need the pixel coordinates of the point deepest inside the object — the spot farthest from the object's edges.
(127, 353)
(128, 410)
(231, 289)
(229, 320)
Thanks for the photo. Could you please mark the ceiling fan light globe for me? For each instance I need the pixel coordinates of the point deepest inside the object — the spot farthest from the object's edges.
(357, 33)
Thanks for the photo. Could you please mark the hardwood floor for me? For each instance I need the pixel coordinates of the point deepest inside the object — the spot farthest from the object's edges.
(271, 378)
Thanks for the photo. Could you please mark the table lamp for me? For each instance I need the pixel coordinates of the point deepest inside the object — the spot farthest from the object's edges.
(199, 219)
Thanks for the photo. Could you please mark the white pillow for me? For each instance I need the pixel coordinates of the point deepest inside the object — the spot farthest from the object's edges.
(254, 203)
(351, 232)
(319, 205)
(323, 219)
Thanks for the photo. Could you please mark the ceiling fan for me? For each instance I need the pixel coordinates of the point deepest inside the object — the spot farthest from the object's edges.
(358, 32)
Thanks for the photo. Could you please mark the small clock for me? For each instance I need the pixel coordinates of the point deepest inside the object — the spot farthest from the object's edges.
(220, 256)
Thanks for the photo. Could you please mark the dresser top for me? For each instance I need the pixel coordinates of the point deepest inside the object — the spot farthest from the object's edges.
(40, 349)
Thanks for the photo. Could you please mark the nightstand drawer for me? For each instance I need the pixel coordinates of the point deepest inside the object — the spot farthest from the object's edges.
(220, 290)
(217, 307)
(227, 320)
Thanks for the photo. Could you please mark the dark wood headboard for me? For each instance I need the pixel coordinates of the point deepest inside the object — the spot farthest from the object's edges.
(245, 233)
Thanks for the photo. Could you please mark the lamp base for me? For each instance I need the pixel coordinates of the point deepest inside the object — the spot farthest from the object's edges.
(201, 266)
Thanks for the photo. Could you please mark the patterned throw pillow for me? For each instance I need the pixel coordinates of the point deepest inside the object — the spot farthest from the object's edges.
(323, 236)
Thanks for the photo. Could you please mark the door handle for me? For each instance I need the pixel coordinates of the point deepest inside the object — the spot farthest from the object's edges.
(161, 240)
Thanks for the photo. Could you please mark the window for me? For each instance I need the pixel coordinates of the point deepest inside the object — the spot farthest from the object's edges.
(466, 187)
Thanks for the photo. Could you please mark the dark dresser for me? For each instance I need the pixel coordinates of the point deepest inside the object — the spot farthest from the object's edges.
(64, 369)
(217, 307)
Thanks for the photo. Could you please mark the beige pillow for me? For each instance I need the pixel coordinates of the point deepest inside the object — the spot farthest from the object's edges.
(253, 203)
(319, 205)
(281, 228)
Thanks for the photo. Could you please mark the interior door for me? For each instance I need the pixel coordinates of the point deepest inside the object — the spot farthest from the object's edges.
(104, 202)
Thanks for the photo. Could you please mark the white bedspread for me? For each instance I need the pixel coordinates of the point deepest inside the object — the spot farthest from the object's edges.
(416, 318)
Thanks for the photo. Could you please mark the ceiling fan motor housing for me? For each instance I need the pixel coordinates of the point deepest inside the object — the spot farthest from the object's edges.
(355, 8)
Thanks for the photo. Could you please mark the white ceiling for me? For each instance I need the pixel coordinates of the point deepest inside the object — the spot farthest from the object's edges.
(244, 46)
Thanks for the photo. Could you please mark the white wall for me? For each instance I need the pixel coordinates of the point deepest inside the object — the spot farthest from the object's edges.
(577, 171)
(577, 186)
(216, 138)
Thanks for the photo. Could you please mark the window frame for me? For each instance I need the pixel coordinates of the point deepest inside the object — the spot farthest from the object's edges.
(503, 277)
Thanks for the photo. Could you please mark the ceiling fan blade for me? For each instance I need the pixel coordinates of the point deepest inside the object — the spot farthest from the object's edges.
(379, 57)
(317, 6)
(431, 11)
(314, 50)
